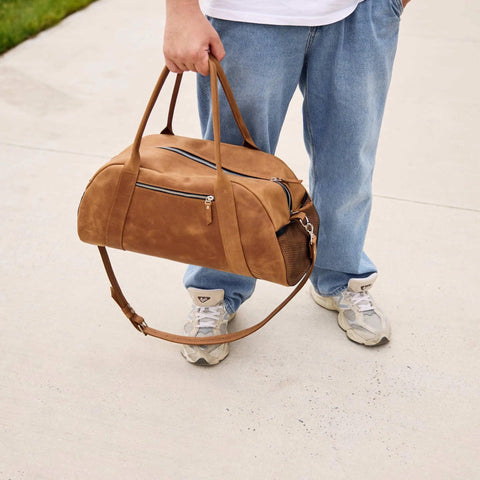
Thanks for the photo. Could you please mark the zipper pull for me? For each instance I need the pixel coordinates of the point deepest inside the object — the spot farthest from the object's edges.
(286, 180)
(208, 208)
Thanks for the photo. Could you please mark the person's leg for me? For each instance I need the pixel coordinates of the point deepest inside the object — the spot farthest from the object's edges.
(263, 64)
(345, 83)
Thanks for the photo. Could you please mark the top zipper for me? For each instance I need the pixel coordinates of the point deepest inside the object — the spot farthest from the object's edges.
(212, 165)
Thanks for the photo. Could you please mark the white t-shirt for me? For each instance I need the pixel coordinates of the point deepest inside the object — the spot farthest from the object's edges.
(281, 12)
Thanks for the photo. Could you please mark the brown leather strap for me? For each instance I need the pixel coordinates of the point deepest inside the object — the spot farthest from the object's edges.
(128, 176)
(173, 101)
(133, 163)
(224, 198)
(247, 139)
(117, 293)
(121, 204)
(139, 323)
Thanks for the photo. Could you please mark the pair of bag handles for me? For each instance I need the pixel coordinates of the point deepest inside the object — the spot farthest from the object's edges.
(227, 220)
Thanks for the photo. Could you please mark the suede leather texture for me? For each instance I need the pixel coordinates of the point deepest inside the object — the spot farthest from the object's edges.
(181, 228)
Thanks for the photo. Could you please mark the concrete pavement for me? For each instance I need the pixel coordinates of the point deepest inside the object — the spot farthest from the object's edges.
(85, 396)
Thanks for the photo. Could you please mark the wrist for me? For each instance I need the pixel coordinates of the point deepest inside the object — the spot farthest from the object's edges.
(182, 7)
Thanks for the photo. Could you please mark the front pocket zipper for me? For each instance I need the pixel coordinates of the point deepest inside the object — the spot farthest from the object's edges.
(208, 199)
(212, 165)
(173, 192)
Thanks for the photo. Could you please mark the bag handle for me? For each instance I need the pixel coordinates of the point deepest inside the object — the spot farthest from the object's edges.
(247, 139)
(216, 71)
(139, 323)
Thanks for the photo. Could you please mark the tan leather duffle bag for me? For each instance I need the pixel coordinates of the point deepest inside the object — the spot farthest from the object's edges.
(201, 202)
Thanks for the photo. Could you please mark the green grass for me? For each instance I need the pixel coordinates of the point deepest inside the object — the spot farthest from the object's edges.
(21, 19)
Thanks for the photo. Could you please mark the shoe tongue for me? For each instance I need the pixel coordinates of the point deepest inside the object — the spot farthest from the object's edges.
(362, 284)
(206, 298)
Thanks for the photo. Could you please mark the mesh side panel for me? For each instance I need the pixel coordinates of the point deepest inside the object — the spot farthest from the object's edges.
(293, 243)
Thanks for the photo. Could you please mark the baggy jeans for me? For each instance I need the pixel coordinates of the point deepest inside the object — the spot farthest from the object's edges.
(343, 71)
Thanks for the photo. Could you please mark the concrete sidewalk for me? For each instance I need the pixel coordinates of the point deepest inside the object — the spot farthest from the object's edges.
(85, 396)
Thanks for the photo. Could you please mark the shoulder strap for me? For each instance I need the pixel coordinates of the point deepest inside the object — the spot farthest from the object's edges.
(139, 323)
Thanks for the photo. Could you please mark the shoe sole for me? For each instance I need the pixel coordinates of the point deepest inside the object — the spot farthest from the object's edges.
(330, 304)
(196, 357)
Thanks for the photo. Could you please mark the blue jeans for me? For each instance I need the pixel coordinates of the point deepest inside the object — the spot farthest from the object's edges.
(343, 71)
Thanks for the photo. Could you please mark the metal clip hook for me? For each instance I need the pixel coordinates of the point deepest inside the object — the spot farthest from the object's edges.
(309, 228)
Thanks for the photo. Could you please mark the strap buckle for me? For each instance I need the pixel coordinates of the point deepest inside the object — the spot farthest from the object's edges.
(136, 320)
(139, 326)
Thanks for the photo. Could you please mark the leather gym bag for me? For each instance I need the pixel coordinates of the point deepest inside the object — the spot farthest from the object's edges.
(202, 202)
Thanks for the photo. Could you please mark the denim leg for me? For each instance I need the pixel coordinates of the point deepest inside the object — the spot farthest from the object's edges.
(263, 64)
(344, 72)
(347, 73)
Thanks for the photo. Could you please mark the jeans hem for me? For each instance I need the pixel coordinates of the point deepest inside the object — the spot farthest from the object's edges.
(228, 306)
(334, 294)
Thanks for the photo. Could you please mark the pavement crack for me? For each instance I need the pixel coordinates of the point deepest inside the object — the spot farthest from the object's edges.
(431, 204)
(54, 150)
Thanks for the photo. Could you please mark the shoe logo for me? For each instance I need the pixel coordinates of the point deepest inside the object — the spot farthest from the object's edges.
(366, 287)
(204, 299)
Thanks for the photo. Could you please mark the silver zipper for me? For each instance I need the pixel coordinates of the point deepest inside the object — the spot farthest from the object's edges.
(198, 196)
(208, 199)
(279, 181)
(209, 164)
(201, 160)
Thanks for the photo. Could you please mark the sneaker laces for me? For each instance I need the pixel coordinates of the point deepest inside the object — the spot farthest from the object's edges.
(361, 300)
(208, 317)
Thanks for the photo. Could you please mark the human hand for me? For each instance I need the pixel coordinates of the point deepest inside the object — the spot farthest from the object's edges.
(188, 38)
(405, 3)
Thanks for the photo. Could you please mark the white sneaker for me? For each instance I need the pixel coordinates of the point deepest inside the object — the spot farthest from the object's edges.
(359, 317)
(208, 317)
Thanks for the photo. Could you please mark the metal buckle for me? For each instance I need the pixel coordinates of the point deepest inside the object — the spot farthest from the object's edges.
(138, 326)
(309, 228)
(141, 327)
